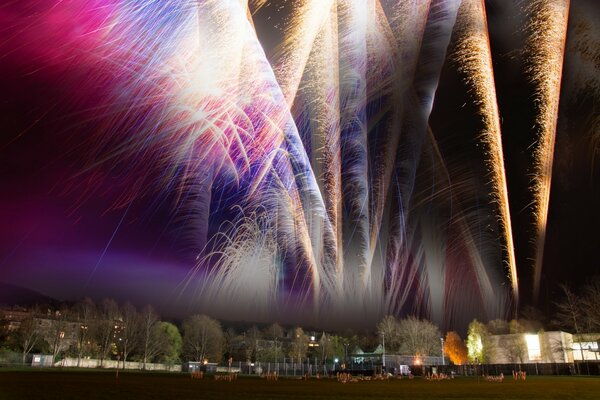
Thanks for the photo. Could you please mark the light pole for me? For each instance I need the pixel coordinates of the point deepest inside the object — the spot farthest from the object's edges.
(383, 344)
(346, 352)
(443, 359)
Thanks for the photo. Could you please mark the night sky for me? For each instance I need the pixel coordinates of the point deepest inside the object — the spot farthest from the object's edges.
(68, 229)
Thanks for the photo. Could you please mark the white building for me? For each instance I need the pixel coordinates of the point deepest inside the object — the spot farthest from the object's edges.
(542, 347)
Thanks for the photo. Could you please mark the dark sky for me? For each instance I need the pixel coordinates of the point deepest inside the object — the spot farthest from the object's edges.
(65, 234)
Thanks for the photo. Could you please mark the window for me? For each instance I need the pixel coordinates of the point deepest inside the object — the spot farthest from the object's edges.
(533, 347)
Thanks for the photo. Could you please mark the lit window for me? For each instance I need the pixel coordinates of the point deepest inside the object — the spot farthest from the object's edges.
(533, 347)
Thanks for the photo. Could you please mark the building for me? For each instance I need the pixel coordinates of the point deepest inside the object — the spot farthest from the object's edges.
(542, 347)
(11, 318)
(585, 347)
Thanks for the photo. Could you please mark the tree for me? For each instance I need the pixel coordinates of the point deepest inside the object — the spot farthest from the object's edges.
(106, 326)
(591, 304)
(274, 331)
(498, 327)
(3, 327)
(455, 348)
(234, 344)
(153, 341)
(55, 334)
(298, 344)
(85, 312)
(173, 342)
(130, 331)
(253, 335)
(388, 328)
(331, 347)
(514, 344)
(29, 335)
(202, 338)
(419, 337)
(479, 348)
(570, 313)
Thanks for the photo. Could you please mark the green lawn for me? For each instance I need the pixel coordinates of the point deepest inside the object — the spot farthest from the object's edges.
(69, 384)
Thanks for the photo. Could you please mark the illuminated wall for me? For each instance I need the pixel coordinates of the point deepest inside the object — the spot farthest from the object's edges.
(543, 347)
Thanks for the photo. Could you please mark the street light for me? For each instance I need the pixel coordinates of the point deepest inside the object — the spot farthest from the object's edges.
(335, 361)
(443, 359)
(383, 356)
(346, 352)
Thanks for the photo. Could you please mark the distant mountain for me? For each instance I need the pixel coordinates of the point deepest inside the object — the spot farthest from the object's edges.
(11, 295)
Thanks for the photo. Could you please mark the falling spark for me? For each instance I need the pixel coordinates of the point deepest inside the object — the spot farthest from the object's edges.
(307, 18)
(475, 62)
(296, 172)
(545, 51)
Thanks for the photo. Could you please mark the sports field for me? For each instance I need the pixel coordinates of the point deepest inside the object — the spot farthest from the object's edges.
(66, 385)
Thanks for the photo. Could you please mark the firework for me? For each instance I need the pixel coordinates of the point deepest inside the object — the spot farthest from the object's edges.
(475, 62)
(295, 176)
(545, 51)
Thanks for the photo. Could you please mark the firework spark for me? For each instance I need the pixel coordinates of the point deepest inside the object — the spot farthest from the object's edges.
(475, 62)
(296, 175)
(545, 51)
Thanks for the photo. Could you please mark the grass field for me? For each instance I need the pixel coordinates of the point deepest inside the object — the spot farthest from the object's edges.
(66, 385)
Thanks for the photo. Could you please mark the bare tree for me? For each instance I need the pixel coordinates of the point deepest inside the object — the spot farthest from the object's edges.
(388, 328)
(57, 331)
(591, 305)
(419, 337)
(514, 344)
(570, 313)
(153, 340)
(275, 333)
(106, 327)
(253, 335)
(130, 331)
(514, 347)
(202, 338)
(85, 312)
(29, 335)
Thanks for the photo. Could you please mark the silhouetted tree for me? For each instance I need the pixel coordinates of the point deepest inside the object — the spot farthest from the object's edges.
(202, 338)
(57, 331)
(106, 327)
(389, 328)
(130, 331)
(85, 312)
(570, 313)
(591, 305)
(153, 340)
(29, 335)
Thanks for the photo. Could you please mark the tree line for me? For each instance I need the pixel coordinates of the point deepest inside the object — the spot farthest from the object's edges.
(110, 331)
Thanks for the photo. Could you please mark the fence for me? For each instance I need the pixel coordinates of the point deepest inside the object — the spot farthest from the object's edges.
(113, 364)
(313, 367)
